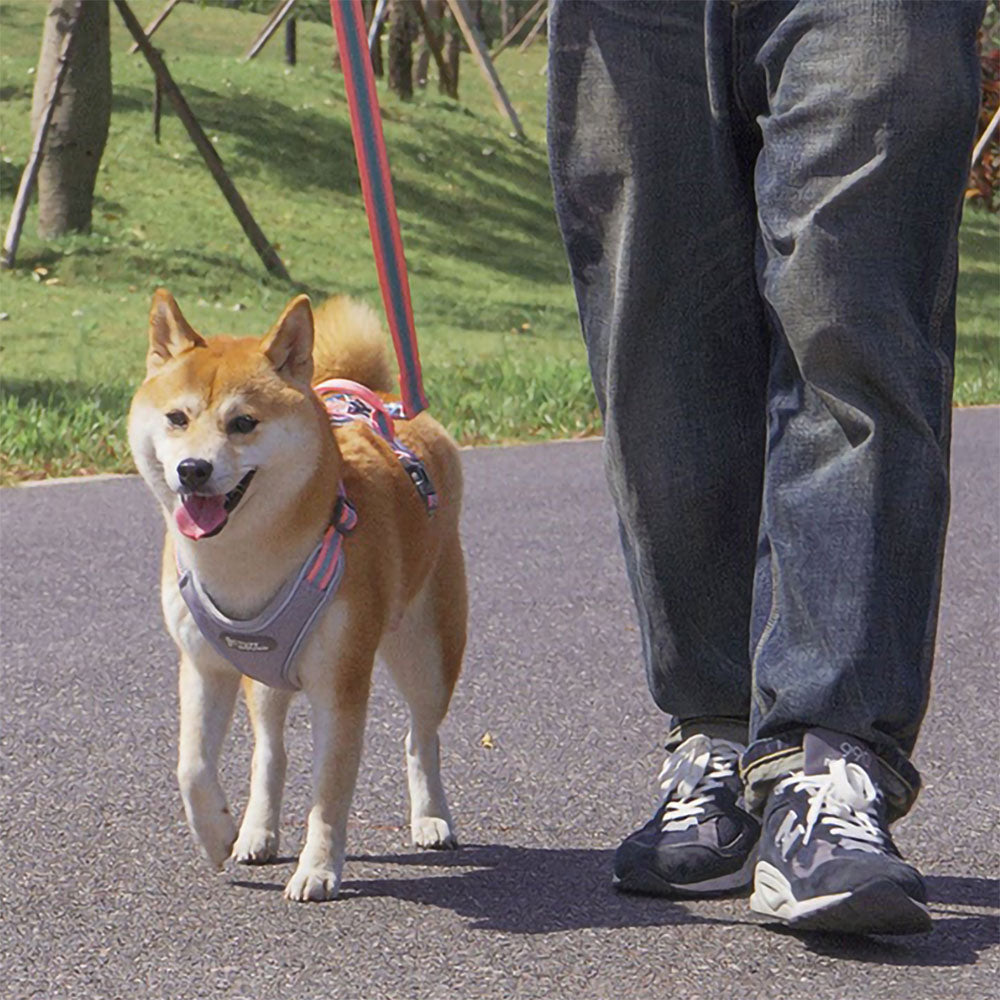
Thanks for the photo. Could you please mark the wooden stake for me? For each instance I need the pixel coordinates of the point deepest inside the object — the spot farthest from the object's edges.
(30, 175)
(985, 137)
(381, 10)
(157, 108)
(463, 17)
(512, 34)
(155, 23)
(434, 45)
(264, 249)
(270, 27)
(533, 34)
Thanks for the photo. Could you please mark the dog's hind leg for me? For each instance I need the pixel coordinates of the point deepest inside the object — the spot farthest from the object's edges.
(257, 842)
(424, 656)
(207, 698)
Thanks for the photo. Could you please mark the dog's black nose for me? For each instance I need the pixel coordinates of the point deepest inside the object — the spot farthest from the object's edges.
(194, 473)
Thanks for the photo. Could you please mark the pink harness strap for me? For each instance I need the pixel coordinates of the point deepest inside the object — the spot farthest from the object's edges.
(347, 402)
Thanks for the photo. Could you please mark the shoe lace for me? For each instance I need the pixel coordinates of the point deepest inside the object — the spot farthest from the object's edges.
(699, 766)
(843, 802)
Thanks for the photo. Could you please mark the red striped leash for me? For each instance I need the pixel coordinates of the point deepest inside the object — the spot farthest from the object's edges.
(380, 204)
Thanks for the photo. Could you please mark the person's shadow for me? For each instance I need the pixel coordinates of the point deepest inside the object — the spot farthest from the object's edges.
(957, 938)
(525, 890)
(528, 890)
(516, 890)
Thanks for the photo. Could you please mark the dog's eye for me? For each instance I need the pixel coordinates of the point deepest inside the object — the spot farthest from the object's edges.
(242, 424)
(177, 418)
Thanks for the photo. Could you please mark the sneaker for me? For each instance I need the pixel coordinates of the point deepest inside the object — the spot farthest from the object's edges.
(826, 860)
(700, 841)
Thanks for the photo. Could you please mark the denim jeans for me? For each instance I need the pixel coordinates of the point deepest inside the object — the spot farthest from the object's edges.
(760, 203)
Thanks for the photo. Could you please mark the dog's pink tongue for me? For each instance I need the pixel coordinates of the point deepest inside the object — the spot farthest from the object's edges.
(199, 516)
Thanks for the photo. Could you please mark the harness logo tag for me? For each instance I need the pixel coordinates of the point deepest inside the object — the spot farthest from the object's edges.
(259, 644)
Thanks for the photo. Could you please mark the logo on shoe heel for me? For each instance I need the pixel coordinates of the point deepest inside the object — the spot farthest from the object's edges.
(856, 754)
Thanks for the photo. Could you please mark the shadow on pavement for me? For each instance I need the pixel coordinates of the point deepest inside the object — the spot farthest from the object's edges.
(958, 938)
(518, 890)
(965, 890)
(524, 890)
(955, 940)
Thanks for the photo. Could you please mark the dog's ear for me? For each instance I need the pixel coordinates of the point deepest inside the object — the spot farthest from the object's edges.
(170, 333)
(289, 344)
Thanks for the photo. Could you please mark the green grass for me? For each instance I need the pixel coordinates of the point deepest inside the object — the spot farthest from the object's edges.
(62, 428)
(493, 304)
(977, 358)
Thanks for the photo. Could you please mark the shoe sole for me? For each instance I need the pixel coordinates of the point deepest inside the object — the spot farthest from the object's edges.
(877, 907)
(645, 882)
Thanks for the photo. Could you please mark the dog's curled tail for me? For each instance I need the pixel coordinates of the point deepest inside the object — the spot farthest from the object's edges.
(349, 343)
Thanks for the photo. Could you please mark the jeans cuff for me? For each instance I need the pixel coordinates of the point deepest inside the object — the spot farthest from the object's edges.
(766, 761)
(718, 727)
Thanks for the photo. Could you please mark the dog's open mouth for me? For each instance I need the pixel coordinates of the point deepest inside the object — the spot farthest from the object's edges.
(200, 516)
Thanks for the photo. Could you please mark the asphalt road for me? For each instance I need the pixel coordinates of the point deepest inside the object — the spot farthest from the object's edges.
(102, 894)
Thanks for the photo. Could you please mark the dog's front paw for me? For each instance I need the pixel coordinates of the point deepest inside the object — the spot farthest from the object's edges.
(433, 834)
(312, 885)
(216, 840)
(208, 815)
(255, 846)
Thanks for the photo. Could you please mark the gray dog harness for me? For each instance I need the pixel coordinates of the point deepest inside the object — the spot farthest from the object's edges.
(265, 647)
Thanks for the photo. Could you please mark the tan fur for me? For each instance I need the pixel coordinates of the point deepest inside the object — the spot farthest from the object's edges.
(350, 344)
(402, 596)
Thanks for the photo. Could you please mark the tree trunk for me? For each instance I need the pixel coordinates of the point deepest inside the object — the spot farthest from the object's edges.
(452, 49)
(476, 6)
(75, 143)
(402, 32)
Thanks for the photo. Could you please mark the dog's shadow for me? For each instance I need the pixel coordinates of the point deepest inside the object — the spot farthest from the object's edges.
(528, 890)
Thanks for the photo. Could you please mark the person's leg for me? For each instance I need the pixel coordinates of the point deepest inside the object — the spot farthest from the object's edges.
(652, 168)
(867, 111)
(652, 192)
(870, 112)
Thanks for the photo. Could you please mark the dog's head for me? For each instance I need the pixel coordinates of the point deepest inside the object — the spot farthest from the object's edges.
(226, 424)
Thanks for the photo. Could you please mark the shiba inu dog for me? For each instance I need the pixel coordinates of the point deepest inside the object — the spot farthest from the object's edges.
(260, 493)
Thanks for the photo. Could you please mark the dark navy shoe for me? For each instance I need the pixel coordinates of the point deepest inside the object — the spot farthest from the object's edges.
(701, 841)
(826, 860)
